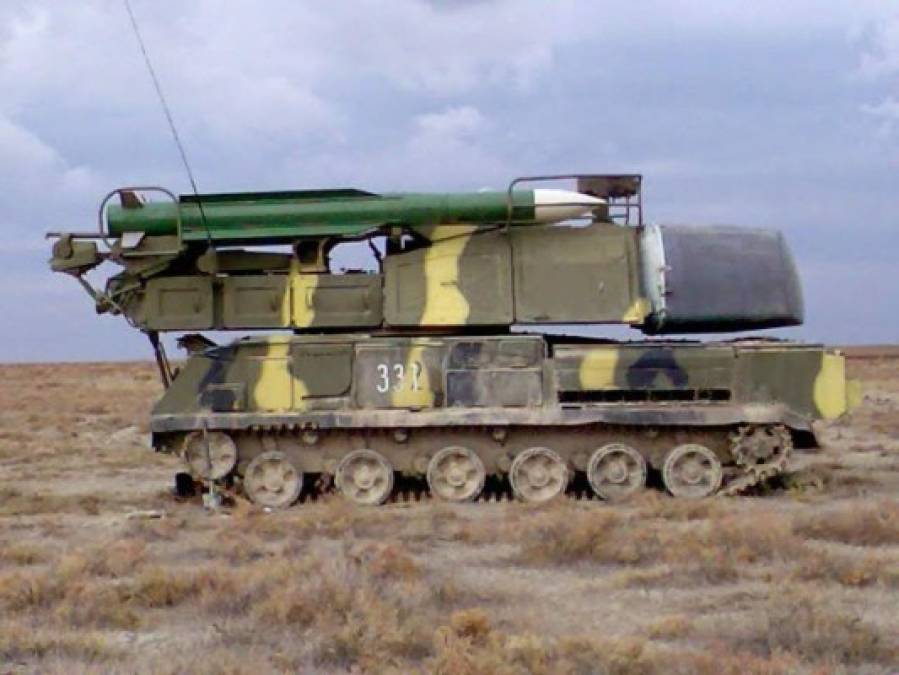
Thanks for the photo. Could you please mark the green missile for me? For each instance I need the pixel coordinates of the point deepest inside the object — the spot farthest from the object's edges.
(273, 217)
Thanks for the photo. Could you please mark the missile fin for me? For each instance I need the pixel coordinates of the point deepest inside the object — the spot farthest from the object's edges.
(130, 200)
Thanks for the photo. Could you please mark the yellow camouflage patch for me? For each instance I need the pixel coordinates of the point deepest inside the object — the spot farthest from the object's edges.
(637, 312)
(445, 304)
(300, 301)
(830, 393)
(414, 390)
(273, 386)
(597, 370)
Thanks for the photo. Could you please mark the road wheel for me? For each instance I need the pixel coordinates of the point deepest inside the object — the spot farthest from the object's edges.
(537, 475)
(222, 454)
(616, 471)
(456, 474)
(692, 471)
(272, 481)
(365, 477)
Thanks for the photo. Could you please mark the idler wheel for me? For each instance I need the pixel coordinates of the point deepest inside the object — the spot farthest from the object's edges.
(456, 474)
(365, 477)
(692, 470)
(616, 471)
(222, 454)
(272, 481)
(537, 475)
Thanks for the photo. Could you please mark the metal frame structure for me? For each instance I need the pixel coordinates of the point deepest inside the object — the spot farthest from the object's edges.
(624, 201)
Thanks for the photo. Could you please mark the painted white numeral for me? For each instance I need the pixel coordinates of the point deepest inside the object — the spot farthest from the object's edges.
(416, 376)
(397, 379)
(399, 373)
(383, 378)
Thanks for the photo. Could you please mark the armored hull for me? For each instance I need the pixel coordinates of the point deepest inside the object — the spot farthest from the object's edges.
(283, 415)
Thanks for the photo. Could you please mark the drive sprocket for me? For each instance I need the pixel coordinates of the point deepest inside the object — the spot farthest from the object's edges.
(761, 452)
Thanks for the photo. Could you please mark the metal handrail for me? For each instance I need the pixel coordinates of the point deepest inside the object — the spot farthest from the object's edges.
(574, 176)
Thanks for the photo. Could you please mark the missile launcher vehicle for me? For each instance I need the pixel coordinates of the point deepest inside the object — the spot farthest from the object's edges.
(436, 363)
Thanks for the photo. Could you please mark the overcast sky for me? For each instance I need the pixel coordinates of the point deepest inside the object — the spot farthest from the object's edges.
(777, 114)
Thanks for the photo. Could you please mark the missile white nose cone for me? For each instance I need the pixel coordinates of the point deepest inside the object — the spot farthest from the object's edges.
(552, 206)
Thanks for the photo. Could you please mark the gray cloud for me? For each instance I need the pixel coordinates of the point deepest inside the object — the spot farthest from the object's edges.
(880, 63)
(881, 55)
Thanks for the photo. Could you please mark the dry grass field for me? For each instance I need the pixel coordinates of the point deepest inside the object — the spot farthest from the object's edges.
(802, 580)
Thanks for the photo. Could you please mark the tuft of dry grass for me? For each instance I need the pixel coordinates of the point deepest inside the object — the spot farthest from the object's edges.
(719, 659)
(393, 563)
(331, 517)
(803, 622)
(471, 624)
(712, 544)
(671, 627)
(849, 570)
(652, 504)
(95, 605)
(19, 643)
(29, 589)
(470, 645)
(872, 524)
(68, 594)
(715, 550)
(368, 607)
(22, 553)
(162, 587)
(117, 559)
(18, 502)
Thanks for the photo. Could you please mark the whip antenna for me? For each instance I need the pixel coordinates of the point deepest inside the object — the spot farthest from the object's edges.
(168, 116)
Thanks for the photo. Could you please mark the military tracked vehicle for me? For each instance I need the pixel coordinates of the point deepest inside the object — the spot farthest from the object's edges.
(436, 363)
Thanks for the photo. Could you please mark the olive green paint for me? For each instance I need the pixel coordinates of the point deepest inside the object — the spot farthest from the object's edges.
(284, 217)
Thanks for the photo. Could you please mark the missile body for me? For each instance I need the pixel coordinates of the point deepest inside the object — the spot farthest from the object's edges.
(273, 217)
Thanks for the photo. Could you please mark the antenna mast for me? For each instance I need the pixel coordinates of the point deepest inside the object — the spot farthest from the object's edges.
(168, 116)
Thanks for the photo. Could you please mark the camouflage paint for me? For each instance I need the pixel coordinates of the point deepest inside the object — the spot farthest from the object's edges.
(273, 387)
(643, 367)
(598, 368)
(445, 304)
(416, 391)
(830, 391)
(637, 312)
(301, 300)
(307, 377)
(452, 275)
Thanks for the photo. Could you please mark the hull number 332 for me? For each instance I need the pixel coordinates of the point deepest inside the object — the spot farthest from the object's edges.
(398, 377)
